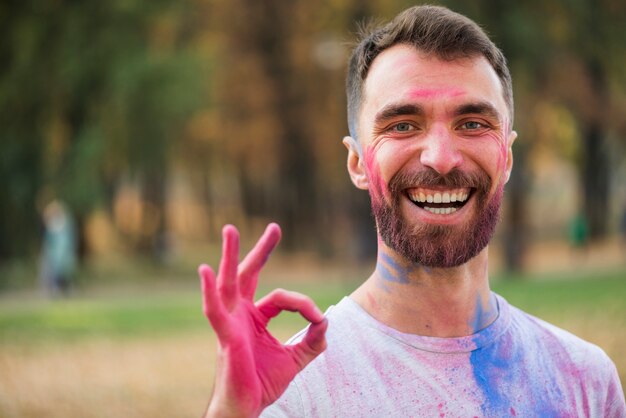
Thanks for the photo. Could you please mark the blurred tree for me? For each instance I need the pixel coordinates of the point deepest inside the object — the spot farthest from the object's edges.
(267, 102)
(20, 87)
(264, 106)
(248, 98)
(89, 91)
(589, 52)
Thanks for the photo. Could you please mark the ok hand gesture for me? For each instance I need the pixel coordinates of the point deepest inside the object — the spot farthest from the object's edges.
(253, 368)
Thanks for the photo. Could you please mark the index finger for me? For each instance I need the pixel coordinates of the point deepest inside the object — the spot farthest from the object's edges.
(283, 300)
(256, 259)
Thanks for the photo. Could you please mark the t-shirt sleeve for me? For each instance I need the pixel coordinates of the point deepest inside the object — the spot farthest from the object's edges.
(289, 405)
(615, 404)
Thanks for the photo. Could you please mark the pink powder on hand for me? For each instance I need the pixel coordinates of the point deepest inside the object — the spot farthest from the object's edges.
(254, 368)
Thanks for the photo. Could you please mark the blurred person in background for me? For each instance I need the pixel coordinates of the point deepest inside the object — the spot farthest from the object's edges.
(578, 236)
(58, 253)
(430, 113)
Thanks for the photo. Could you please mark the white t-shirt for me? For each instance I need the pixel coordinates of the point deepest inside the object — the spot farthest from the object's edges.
(518, 366)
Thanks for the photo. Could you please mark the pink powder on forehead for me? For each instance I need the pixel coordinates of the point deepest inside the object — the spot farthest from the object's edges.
(432, 93)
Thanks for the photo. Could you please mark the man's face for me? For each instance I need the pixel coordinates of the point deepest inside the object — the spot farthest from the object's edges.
(434, 153)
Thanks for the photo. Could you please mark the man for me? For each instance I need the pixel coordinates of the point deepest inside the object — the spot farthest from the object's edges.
(430, 111)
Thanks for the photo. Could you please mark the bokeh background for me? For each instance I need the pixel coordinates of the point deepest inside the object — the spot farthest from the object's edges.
(131, 131)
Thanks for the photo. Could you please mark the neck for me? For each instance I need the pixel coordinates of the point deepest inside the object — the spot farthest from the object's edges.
(439, 302)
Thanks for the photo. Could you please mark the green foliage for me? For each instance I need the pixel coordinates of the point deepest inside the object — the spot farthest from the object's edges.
(88, 91)
(95, 92)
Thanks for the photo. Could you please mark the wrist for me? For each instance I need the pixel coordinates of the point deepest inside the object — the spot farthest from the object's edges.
(222, 410)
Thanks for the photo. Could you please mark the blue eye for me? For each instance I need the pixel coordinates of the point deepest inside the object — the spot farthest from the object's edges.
(403, 127)
(472, 125)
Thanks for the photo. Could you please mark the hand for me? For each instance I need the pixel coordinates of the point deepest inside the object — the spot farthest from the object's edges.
(253, 368)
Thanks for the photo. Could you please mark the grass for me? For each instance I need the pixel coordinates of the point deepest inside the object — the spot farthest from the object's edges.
(559, 297)
(164, 312)
(150, 352)
(125, 316)
(80, 318)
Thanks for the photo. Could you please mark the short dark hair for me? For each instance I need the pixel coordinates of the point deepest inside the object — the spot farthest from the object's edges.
(430, 29)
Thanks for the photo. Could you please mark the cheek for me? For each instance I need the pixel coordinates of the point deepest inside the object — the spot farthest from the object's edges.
(504, 147)
(498, 152)
(393, 154)
(378, 185)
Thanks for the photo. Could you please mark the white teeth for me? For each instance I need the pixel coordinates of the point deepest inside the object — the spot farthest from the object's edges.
(440, 211)
(438, 197)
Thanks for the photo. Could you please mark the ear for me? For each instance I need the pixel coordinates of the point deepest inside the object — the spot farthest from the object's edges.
(509, 156)
(356, 167)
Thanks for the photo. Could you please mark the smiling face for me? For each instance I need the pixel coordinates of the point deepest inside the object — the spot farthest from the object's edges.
(434, 152)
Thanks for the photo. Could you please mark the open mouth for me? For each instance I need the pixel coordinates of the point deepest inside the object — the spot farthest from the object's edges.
(439, 202)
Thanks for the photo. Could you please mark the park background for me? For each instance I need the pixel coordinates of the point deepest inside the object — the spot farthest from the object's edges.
(156, 122)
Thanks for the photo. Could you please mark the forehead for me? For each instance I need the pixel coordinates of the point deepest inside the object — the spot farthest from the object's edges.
(404, 74)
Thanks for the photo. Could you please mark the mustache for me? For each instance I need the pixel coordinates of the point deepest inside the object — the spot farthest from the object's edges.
(430, 178)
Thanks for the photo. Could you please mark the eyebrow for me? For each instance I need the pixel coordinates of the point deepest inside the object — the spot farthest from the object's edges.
(394, 110)
(480, 108)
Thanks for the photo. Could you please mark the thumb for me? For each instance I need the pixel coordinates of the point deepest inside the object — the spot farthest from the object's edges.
(312, 345)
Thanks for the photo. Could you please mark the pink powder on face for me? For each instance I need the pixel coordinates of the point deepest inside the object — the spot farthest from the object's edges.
(432, 93)
(503, 145)
(379, 187)
(435, 245)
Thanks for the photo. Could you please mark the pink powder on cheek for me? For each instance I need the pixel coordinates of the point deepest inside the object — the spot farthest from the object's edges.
(379, 187)
(502, 142)
(504, 145)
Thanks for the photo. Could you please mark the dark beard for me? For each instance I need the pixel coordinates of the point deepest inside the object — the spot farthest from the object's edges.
(438, 246)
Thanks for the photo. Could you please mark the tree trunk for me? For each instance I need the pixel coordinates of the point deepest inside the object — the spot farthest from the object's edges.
(596, 176)
(596, 167)
(515, 223)
(153, 241)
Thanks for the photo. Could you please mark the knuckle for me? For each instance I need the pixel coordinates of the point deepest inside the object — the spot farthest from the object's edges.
(280, 294)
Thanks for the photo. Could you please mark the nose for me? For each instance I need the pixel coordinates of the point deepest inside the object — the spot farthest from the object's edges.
(440, 151)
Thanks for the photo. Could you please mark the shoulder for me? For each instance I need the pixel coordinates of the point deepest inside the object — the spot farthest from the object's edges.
(583, 370)
(580, 357)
